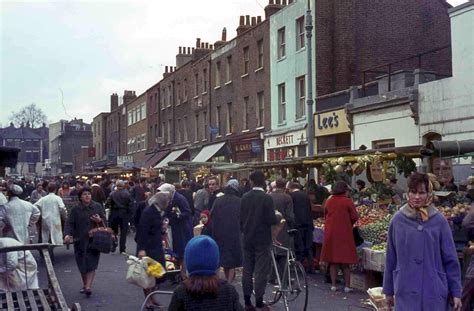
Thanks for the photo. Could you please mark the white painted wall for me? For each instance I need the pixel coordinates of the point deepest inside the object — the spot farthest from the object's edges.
(446, 106)
(389, 123)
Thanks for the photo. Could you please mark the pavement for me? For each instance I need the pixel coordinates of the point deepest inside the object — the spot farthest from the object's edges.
(110, 291)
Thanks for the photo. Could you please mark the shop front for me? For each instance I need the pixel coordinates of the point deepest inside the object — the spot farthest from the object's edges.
(285, 146)
(332, 131)
(247, 149)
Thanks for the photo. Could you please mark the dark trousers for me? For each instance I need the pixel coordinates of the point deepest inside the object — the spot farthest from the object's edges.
(119, 219)
(304, 246)
(467, 294)
(257, 262)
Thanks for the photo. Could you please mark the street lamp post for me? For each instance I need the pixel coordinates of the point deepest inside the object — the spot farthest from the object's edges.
(309, 87)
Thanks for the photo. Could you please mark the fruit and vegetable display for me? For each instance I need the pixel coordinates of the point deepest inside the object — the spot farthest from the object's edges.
(456, 211)
(380, 247)
(369, 214)
(376, 232)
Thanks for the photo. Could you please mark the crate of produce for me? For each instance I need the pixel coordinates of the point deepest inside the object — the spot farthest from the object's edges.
(373, 260)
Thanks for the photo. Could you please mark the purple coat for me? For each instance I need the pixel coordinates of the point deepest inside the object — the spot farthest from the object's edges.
(422, 268)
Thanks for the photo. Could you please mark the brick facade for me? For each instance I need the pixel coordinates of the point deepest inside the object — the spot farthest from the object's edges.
(356, 35)
(136, 128)
(99, 133)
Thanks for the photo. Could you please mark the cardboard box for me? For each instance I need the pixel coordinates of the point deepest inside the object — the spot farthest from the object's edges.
(373, 260)
(363, 280)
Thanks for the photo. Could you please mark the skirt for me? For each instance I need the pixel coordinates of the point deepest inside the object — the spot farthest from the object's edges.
(87, 260)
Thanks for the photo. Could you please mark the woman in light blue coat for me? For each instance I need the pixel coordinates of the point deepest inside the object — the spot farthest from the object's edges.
(422, 270)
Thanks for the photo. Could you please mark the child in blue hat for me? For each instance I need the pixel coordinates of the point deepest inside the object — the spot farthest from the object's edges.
(203, 290)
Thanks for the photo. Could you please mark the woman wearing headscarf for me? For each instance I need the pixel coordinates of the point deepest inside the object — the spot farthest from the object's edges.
(149, 242)
(422, 268)
(206, 221)
(84, 217)
(225, 228)
(339, 246)
(180, 219)
(203, 290)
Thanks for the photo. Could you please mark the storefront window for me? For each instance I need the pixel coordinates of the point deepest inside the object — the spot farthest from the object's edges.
(334, 143)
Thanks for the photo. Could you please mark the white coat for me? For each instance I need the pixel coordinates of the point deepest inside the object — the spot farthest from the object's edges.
(51, 207)
(17, 216)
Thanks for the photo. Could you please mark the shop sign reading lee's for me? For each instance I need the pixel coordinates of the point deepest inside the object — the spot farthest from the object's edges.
(331, 122)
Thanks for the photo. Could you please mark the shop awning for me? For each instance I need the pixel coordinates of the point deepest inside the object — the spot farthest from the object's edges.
(171, 157)
(208, 152)
(154, 158)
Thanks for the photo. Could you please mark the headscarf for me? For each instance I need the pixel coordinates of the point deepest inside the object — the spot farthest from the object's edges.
(167, 188)
(423, 211)
(208, 214)
(160, 200)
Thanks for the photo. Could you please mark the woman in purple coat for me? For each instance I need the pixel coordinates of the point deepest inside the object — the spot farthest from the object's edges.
(422, 270)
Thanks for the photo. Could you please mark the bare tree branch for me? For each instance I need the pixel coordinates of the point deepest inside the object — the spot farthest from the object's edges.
(31, 114)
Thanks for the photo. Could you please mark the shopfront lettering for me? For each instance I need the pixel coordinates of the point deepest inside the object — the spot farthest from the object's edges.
(243, 147)
(328, 122)
(284, 140)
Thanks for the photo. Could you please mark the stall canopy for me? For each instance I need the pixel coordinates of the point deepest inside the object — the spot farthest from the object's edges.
(154, 158)
(170, 157)
(208, 152)
(456, 148)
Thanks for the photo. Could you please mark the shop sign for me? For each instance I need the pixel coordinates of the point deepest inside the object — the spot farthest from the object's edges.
(256, 146)
(286, 140)
(443, 169)
(121, 160)
(243, 147)
(330, 123)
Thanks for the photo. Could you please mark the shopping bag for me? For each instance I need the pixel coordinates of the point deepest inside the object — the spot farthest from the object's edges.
(137, 273)
(101, 238)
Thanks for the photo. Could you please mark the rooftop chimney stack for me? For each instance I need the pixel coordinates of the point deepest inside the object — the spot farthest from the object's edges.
(244, 24)
(224, 34)
(198, 43)
(272, 8)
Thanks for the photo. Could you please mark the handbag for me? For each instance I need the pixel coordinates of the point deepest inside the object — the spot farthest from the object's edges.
(137, 273)
(101, 238)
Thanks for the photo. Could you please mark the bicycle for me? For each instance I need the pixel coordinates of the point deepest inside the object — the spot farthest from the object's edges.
(293, 286)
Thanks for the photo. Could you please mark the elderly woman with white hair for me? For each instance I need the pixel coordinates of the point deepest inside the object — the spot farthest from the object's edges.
(180, 219)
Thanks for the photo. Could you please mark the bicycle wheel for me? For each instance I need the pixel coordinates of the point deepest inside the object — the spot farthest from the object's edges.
(296, 289)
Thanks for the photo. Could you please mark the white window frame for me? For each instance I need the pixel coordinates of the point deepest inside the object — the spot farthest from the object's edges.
(260, 111)
(281, 43)
(281, 103)
(260, 53)
(218, 74)
(229, 125)
(228, 75)
(246, 60)
(300, 88)
(300, 33)
(246, 113)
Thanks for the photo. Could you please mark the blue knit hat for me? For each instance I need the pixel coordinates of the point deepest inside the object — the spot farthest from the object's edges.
(201, 256)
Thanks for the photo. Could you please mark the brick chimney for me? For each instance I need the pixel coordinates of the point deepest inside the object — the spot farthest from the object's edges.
(201, 50)
(183, 56)
(113, 102)
(244, 24)
(273, 7)
(128, 96)
(223, 40)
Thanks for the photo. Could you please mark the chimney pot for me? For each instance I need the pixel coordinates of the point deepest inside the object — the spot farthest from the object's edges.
(224, 34)
(166, 69)
(259, 19)
(284, 2)
(198, 42)
(180, 50)
(278, 2)
(271, 2)
(247, 20)
(242, 20)
(192, 50)
(189, 50)
(254, 20)
(210, 46)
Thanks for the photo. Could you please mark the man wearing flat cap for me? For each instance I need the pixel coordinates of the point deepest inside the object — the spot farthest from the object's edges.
(18, 215)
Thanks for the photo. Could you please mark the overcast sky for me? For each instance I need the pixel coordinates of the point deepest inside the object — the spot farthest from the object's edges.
(90, 49)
